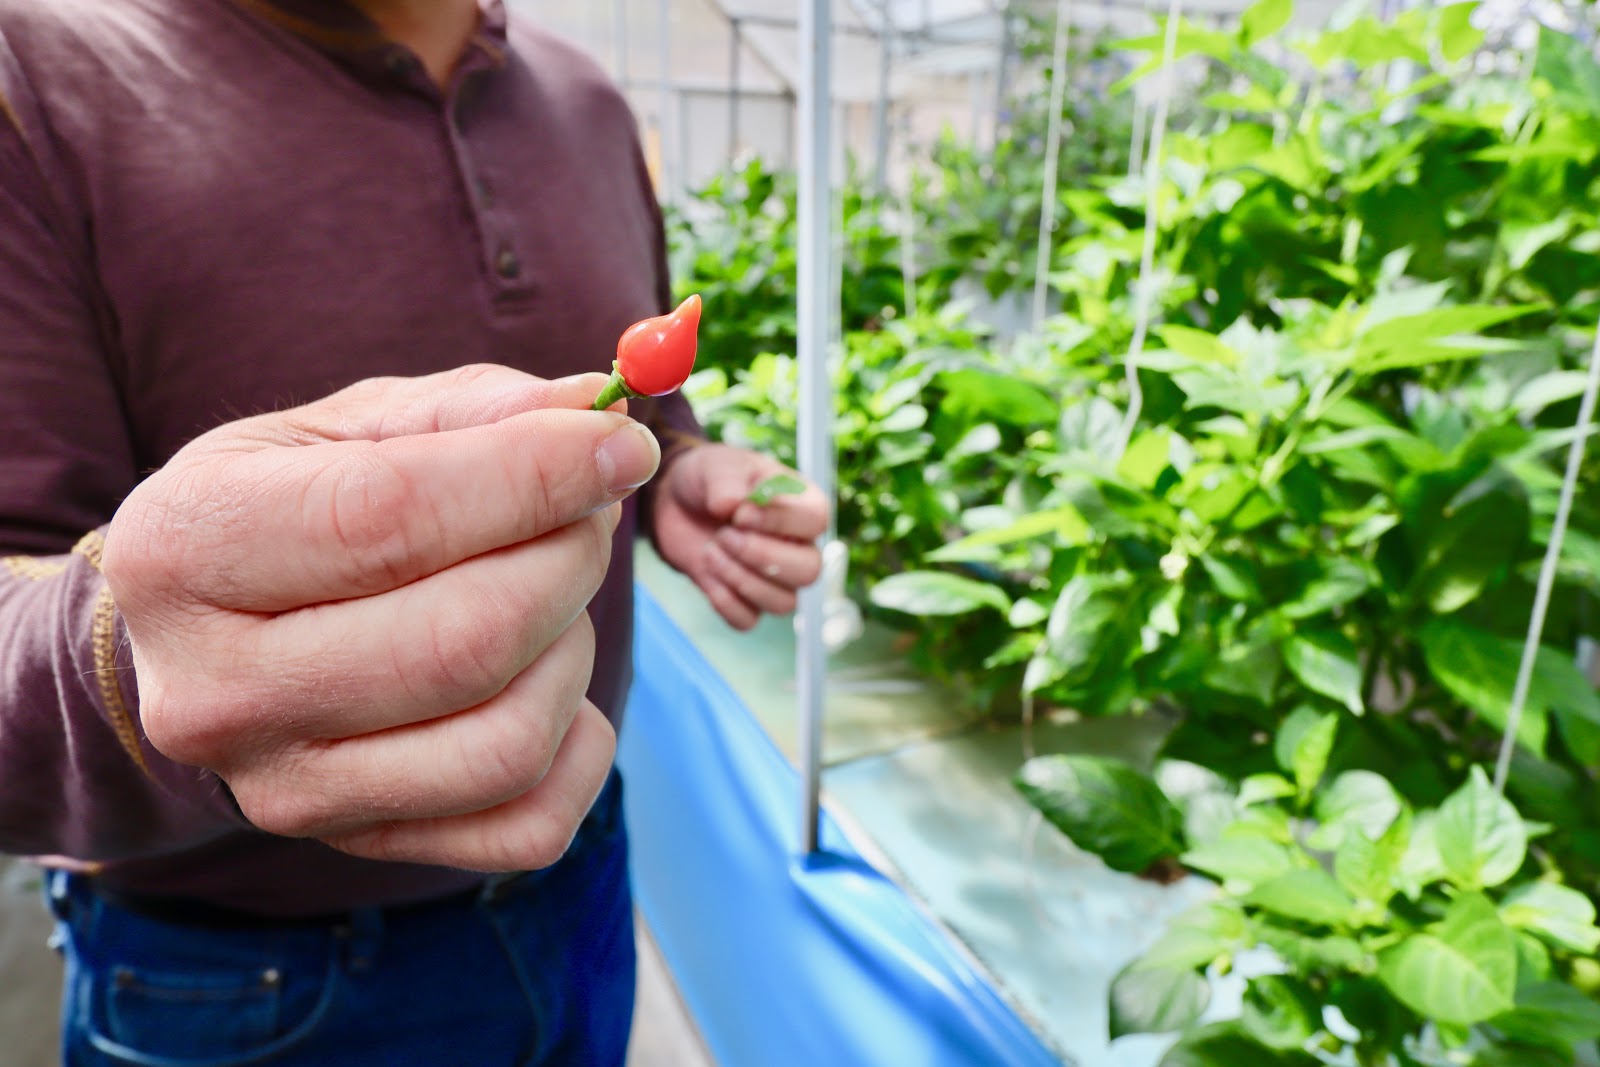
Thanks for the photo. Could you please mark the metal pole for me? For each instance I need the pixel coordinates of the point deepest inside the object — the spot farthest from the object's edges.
(1002, 74)
(619, 38)
(735, 46)
(816, 392)
(880, 169)
(669, 170)
(1052, 161)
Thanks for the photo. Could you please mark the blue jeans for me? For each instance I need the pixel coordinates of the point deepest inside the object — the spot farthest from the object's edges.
(536, 969)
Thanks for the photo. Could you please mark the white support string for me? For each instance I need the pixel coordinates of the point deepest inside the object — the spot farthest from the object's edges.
(1052, 161)
(1547, 571)
(1143, 296)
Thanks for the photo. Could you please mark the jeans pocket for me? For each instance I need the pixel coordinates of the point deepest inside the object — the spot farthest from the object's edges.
(226, 1005)
(192, 1015)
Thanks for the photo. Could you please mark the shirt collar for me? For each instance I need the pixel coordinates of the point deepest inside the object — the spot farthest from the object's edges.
(344, 30)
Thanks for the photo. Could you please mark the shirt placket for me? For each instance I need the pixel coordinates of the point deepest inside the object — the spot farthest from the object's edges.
(501, 259)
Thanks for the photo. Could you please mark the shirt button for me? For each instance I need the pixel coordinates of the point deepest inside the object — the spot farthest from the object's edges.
(398, 63)
(506, 263)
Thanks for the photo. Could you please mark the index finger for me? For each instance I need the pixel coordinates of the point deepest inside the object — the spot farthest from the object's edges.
(288, 527)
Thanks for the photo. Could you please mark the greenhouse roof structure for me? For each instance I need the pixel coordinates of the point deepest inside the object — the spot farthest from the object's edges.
(722, 80)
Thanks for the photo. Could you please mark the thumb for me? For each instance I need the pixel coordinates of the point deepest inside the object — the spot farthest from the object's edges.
(730, 474)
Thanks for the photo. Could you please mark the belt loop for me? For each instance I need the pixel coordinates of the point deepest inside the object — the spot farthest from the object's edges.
(363, 936)
(58, 893)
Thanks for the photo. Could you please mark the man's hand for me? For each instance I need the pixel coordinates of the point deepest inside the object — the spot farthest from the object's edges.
(747, 559)
(367, 615)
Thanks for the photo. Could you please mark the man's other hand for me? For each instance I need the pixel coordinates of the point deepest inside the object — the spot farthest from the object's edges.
(748, 559)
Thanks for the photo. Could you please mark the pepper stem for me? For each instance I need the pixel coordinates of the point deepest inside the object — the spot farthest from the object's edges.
(616, 389)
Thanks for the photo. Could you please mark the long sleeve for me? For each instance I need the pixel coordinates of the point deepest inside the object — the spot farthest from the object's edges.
(77, 778)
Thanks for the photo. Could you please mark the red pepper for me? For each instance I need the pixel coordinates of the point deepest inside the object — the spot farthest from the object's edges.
(654, 357)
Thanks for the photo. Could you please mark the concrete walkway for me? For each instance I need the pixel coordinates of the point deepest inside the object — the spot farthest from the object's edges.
(30, 978)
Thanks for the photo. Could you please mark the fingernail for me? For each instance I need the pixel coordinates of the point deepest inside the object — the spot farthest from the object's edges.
(747, 516)
(628, 458)
(732, 540)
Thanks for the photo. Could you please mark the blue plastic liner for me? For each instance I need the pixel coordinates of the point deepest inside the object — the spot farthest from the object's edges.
(815, 962)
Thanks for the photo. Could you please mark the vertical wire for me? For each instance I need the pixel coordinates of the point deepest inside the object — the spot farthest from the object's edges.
(1142, 294)
(1547, 571)
(1052, 161)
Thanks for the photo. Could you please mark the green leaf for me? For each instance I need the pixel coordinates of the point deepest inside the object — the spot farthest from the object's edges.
(1280, 1012)
(1309, 895)
(1463, 971)
(1480, 670)
(1550, 1014)
(1458, 37)
(1481, 838)
(1263, 787)
(934, 593)
(1326, 663)
(1105, 807)
(1156, 1000)
(1421, 866)
(1565, 64)
(1198, 345)
(1433, 336)
(1232, 577)
(1241, 861)
(1082, 619)
(1365, 42)
(1026, 613)
(1305, 953)
(1466, 539)
(1552, 388)
(1517, 1055)
(1292, 733)
(774, 487)
(1560, 915)
(1369, 868)
(1355, 802)
(1311, 751)
(1063, 523)
(1093, 426)
(1018, 649)
(1228, 1045)
(975, 396)
(1263, 19)
(1198, 937)
(1340, 582)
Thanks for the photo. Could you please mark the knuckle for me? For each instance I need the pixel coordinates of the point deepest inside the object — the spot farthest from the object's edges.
(539, 842)
(183, 728)
(143, 555)
(464, 660)
(596, 558)
(364, 508)
(477, 373)
(362, 392)
(274, 809)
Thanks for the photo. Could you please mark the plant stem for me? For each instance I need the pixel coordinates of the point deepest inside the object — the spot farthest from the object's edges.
(616, 389)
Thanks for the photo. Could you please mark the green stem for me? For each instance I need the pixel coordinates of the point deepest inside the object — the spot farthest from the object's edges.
(616, 389)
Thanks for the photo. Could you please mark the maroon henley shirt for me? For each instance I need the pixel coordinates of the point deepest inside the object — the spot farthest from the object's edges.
(213, 208)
